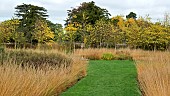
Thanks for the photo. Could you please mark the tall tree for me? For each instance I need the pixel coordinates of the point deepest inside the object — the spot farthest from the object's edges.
(81, 16)
(28, 14)
(86, 13)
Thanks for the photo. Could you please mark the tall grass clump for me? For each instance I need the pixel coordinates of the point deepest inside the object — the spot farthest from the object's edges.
(98, 54)
(46, 80)
(153, 70)
(37, 57)
(93, 54)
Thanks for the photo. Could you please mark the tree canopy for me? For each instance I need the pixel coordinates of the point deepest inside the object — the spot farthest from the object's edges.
(87, 13)
(28, 15)
(88, 24)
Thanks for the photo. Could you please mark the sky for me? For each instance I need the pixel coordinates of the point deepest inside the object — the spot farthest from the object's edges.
(57, 9)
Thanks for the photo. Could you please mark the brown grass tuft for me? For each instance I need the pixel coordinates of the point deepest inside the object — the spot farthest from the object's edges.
(30, 81)
(153, 72)
(96, 54)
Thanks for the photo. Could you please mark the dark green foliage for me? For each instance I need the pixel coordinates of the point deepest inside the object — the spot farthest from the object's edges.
(107, 78)
(87, 13)
(55, 27)
(131, 15)
(37, 59)
(28, 14)
(107, 56)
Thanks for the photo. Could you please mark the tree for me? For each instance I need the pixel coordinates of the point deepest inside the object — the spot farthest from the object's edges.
(8, 30)
(80, 17)
(134, 35)
(15, 35)
(86, 13)
(42, 33)
(100, 34)
(57, 29)
(9, 33)
(5, 31)
(131, 15)
(70, 35)
(157, 37)
(28, 14)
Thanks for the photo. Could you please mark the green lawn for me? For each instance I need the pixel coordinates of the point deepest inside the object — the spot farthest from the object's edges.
(107, 78)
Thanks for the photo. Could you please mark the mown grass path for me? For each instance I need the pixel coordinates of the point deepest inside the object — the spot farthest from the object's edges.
(107, 78)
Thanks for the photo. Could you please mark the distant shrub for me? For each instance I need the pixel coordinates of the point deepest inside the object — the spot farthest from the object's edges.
(107, 56)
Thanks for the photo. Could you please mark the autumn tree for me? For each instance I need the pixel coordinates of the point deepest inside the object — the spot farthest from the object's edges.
(100, 35)
(5, 31)
(83, 15)
(133, 34)
(8, 30)
(70, 35)
(157, 37)
(42, 33)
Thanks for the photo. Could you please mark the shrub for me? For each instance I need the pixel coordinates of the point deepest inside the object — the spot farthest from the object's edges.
(37, 58)
(107, 56)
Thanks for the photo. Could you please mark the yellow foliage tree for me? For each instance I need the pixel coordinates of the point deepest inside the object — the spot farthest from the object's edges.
(8, 31)
(42, 33)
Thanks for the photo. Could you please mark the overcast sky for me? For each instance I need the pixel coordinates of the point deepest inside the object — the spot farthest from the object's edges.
(57, 9)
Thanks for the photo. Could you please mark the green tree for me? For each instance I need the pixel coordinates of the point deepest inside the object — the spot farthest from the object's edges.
(59, 31)
(87, 13)
(81, 16)
(28, 14)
